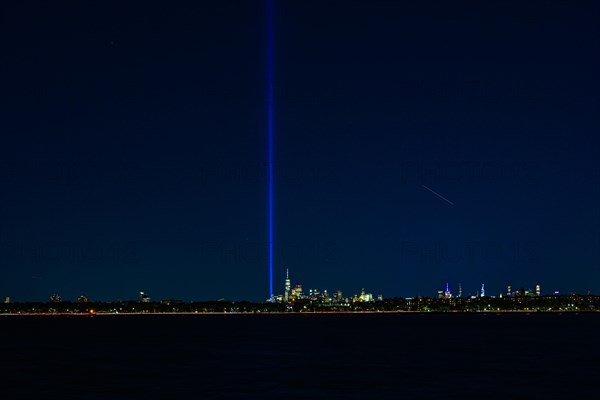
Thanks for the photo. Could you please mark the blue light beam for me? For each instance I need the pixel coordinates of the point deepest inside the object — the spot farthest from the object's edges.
(270, 7)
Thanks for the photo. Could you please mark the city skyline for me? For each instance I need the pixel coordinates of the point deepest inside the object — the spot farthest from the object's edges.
(299, 291)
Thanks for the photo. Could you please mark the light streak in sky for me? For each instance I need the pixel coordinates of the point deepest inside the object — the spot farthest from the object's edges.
(438, 195)
(270, 131)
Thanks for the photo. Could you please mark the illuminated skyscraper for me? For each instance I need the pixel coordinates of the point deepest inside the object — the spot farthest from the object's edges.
(338, 296)
(297, 292)
(538, 290)
(482, 290)
(143, 298)
(288, 285)
(508, 291)
(447, 293)
(459, 290)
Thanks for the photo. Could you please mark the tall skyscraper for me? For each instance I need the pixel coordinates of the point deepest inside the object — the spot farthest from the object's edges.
(447, 293)
(459, 290)
(288, 285)
(538, 290)
(482, 290)
(508, 291)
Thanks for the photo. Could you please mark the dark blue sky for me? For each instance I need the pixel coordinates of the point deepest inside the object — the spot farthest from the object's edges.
(133, 147)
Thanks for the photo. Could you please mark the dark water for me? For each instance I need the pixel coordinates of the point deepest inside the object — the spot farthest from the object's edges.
(300, 357)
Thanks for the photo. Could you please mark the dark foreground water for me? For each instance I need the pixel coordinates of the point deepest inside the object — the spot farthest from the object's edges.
(301, 356)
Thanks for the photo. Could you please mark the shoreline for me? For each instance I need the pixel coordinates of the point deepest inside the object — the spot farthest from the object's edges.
(105, 314)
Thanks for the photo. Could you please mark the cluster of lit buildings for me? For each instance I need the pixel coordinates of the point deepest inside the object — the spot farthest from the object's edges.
(142, 298)
(297, 293)
(57, 298)
(447, 294)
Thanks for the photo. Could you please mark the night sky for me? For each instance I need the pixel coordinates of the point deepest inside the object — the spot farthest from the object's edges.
(416, 143)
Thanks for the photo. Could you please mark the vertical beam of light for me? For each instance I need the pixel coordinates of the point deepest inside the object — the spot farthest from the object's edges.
(270, 132)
